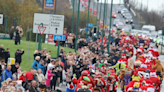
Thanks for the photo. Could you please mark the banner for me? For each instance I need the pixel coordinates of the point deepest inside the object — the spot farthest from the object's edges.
(50, 38)
(49, 4)
(11, 61)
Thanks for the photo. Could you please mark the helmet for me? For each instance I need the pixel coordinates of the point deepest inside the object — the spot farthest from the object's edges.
(84, 73)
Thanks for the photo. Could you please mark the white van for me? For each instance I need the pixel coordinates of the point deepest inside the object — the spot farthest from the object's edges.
(149, 28)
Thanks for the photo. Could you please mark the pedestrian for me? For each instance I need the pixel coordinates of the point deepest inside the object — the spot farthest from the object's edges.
(68, 76)
(20, 32)
(48, 80)
(42, 66)
(40, 76)
(14, 68)
(42, 86)
(2, 50)
(11, 32)
(54, 78)
(19, 85)
(18, 56)
(33, 87)
(7, 55)
(6, 74)
(17, 36)
(35, 63)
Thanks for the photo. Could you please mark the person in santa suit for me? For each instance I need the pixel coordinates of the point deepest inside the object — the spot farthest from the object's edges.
(133, 85)
(153, 61)
(130, 49)
(146, 79)
(155, 53)
(70, 88)
(150, 49)
(123, 59)
(138, 52)
(99, 81)
(85, 80)
(115, 79)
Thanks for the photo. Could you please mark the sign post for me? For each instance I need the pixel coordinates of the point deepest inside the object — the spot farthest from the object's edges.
(49, 4)
(51, 24)
(162, 38)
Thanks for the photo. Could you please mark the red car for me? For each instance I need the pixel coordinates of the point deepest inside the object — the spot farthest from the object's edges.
(113, 15)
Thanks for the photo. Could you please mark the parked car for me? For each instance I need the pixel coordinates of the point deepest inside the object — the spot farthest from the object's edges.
(115, 22)
(119, 25)
(126, 29)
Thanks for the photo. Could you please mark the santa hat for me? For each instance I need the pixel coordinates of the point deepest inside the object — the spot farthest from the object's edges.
(130, 45)
(112, 71)
(19, 82)
(139, 50)
(141, 46)
(153, 73)
(146, 76)
(150, 88)
(71, 86)
(143, 65)
(123, 56)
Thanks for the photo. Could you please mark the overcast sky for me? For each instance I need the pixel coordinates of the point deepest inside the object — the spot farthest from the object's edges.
(152, 4)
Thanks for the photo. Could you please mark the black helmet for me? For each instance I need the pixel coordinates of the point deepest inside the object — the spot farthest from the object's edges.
(147, 71)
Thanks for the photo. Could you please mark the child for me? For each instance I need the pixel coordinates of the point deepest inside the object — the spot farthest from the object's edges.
(48, 89)
(42, 86)
(19, 72)
(68, 76)
(22, 77)
(40, 76)
(48, 80)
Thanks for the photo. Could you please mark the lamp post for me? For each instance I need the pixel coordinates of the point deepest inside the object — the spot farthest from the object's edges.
(103, 28)
(88, 18)
(147, 11)
(72, 16)
(110, 27)
(77, 25)
(99, 19)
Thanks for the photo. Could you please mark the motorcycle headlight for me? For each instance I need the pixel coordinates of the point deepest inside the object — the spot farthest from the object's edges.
(123, 14)
(126, 20)
(131, 20)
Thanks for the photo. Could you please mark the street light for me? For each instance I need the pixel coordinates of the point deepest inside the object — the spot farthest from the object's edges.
(110, 25)
(99, 19)
(72, 16)
(147, 11)
(103, 28)
(88, 19)
(77, 25)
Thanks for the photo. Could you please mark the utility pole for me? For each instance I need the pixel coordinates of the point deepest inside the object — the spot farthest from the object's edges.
(99, 19)
(103, 28)
(147, 12)
(110, 25)
(77, 26)
(88, 18)
(97, 11)
(72, 15)
(6, 25)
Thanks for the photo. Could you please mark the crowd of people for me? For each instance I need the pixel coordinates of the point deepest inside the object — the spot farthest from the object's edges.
(92, 69)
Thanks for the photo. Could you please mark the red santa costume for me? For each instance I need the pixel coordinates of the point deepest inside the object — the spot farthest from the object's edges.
(153, 61)
(130, 49)
(155, 80)
(139, 52)
(99, 81)
(122, 59)
(82, 80)
(113, 73)
(155, 53)
(146, 79)
(150, 49)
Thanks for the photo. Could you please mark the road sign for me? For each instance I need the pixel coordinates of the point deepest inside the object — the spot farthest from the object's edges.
(49, 4)
(54, 23)
(87, 29)
(90, 25)
(105, 25)
(41, 29)
(1, 18)
(59, 37)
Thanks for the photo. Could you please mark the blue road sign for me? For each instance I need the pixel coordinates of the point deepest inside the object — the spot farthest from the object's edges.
(87, 29)
(90, 25)
(59, 37)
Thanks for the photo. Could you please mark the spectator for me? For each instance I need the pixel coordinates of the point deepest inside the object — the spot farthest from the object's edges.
(70, 40)
(42, 66)
(7, 55)
(48, 80)
(35, 63)
(42, 86)
(36, 54)
(17, 37)
(40, 76)
(68, 76)
(11, 32)
(18, 56)
(54, 79)
(2, 50)
(6, 74)
(89, 39)
(50, 66)
(33, 87)
(29, 75)
(14, 68)
(20, 32)
(35, 75)
(2, 66)
(19, 85)
(22, 77)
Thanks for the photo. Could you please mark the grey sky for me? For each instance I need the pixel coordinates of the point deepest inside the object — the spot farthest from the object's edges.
(153, 4)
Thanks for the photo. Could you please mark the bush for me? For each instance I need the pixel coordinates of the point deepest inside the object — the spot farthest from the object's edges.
(32, 36)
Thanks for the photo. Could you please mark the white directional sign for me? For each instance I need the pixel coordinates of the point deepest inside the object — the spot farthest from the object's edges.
(54, 23)
(1, 18)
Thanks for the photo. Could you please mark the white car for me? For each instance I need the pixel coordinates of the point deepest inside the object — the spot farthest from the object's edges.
(123, 10)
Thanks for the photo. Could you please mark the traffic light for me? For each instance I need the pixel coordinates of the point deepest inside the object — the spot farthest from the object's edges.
(14, 21)
(94, 31)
